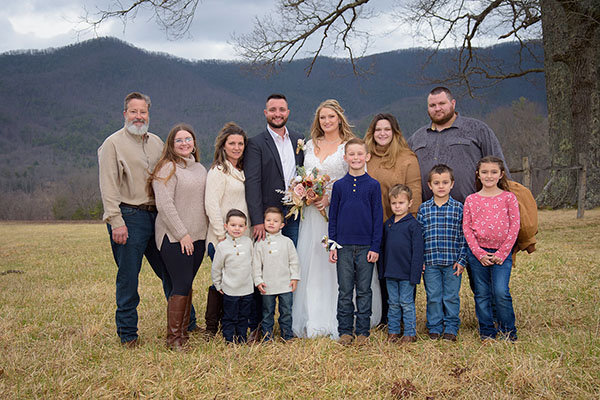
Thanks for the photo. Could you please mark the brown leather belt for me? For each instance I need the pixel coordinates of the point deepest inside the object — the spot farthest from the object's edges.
(145, 207)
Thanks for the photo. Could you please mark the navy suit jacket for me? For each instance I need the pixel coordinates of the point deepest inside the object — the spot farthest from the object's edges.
(264, 173)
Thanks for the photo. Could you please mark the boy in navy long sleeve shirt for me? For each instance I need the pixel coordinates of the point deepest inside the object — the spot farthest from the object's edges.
(355, 227)
(401, 264)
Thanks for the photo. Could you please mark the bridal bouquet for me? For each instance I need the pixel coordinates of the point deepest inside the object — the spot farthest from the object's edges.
(304, 190)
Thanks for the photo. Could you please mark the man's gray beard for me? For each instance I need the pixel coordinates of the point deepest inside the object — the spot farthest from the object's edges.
(136, 130)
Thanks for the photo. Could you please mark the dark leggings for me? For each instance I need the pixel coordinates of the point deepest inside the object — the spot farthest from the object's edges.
(181, 267)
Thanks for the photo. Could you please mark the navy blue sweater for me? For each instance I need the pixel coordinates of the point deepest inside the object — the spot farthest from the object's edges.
(402, 250)
(355, 212)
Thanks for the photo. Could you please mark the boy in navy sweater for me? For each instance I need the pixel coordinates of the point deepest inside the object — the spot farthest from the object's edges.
(355, 227)
(401, 264)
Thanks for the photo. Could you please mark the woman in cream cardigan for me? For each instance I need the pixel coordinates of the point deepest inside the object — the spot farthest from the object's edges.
(392, 162)
(225, 183)
(178, 182)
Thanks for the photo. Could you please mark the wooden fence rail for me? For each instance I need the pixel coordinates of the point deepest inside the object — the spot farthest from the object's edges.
(582, 169)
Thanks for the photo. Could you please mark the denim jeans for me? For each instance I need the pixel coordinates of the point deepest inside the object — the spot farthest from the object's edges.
(492, 288)
(256, 310)
(353, 270)
(443, 299)
(285, 315)
(291, 229)
(234, 324)
(128, 257)
(401, 307)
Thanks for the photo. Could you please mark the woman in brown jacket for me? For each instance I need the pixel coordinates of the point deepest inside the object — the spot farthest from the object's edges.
(392, 162)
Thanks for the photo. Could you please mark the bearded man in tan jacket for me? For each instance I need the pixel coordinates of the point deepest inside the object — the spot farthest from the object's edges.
(125, 160)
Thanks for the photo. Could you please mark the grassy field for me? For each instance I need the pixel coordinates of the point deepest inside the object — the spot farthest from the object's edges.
(58, 339)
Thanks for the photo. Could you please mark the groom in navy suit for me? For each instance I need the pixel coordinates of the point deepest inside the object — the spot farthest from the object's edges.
(270, 162)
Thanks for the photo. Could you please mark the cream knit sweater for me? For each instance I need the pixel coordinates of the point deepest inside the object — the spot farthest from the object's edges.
(224, 192)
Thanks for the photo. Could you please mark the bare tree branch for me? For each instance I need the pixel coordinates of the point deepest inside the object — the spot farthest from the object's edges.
(173, 16)
(330, 22)
(465, 24)
(300, 28)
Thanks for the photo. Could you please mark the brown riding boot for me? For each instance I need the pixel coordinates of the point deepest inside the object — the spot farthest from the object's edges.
(214, 311)
(185, 334)
(175, 321)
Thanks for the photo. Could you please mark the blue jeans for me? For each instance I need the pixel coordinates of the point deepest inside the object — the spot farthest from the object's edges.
(128, 256)
(492, 288)
(285, 315)
(443, 299)
(353, 270)
(236, 310)
(401, 307)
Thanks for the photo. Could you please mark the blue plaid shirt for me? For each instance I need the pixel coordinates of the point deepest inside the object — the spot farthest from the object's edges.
(442, 233)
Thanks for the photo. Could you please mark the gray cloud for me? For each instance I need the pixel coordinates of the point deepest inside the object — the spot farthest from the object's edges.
(214, 23)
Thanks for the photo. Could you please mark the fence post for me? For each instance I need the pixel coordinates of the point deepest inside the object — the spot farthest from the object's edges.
(581, 185)
(526, 173)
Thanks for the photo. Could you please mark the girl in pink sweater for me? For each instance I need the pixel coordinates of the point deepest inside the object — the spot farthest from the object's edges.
(491, 226)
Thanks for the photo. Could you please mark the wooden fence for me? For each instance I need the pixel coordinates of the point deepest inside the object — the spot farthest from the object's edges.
(582, 169)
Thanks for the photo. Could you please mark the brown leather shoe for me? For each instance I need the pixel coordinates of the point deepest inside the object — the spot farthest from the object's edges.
(434, 336)
(345, 339)
(408, 339)
(449, 336)
(393, 337)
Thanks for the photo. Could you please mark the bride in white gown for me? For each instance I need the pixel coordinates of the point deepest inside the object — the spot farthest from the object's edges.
(315, 299)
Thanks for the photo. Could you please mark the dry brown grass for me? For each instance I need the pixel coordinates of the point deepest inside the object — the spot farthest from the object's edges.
(58, 336)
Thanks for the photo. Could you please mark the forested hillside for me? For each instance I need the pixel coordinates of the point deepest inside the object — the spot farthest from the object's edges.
(58, 105)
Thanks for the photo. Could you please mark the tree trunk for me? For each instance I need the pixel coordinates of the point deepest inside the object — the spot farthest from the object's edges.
(572, 54)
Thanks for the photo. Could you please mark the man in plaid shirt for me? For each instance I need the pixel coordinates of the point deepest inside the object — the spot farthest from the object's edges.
(445, 254)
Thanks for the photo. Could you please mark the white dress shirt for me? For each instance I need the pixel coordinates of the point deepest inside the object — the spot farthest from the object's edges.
(285, 149)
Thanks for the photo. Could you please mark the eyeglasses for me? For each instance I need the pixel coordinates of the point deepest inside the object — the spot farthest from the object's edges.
(186, 140)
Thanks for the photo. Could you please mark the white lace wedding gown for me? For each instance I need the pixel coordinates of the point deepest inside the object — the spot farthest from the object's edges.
(315, 299)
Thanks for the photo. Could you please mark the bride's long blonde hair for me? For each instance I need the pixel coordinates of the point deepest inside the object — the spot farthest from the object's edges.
(345, 128)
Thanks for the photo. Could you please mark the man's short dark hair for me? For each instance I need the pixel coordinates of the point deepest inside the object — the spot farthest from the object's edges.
(234, 212)
(274, 210)
(277, 96)
(442, 89)
(137, 96)
(440, 169)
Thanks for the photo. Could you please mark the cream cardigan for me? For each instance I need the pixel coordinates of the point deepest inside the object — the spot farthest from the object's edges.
(224, 191)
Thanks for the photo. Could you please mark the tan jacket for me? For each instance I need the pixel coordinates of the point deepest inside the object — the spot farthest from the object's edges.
(529, 217)
(125, 162)
(406, 171)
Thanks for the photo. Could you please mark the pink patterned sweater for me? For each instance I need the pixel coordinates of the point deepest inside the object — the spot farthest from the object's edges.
(491, 222)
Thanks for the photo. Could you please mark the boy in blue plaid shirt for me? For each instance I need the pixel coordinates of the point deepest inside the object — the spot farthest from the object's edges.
(445, 254)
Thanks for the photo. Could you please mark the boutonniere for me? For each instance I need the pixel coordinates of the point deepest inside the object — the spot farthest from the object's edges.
(300, 146)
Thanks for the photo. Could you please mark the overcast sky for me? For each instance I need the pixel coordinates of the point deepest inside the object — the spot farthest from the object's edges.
(39, 24)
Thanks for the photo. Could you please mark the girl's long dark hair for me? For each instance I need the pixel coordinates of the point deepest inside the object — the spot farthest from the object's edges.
(502, 183)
